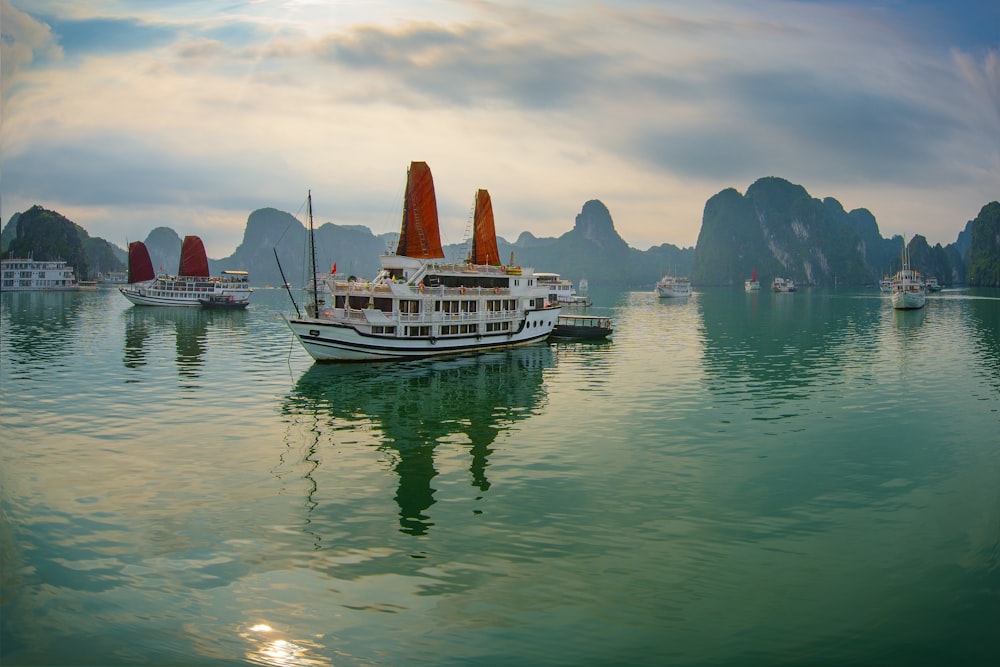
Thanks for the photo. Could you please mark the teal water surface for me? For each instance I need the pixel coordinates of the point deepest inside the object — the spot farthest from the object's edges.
(732, 479)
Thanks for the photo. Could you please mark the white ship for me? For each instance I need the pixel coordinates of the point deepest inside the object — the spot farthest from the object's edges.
(189, 287)
(418, 305)
(30, 275)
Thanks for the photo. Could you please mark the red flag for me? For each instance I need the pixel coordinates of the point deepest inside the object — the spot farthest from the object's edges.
(333, 269)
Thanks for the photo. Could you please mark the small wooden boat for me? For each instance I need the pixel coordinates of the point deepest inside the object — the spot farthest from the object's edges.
(584, 327)
(223, 301)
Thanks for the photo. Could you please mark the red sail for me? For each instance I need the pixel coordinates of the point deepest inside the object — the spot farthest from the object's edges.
(194, 261)
(484, 235)
(420, 236)
(755, 273)
(140, 267)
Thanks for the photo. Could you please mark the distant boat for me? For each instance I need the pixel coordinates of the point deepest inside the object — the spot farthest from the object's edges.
(30, 275)
(418, 305)
(561, 291)
(670, 287)
(191, 284)
(87, 285)
(113, 277)
(780, 284)
(932, 284)
(885, 285)
(585, 327)
(908, 289)
(752, 285)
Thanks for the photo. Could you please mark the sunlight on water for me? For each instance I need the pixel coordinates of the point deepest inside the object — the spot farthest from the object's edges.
(733, 478)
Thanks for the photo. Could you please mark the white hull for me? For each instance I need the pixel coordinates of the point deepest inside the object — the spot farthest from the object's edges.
(186, 292)
(751, 286)
(326, 340)
(908, 300)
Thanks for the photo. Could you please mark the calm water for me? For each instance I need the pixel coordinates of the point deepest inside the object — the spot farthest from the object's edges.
(734, 479)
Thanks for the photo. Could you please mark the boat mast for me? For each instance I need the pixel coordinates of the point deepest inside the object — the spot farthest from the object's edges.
(312, 249)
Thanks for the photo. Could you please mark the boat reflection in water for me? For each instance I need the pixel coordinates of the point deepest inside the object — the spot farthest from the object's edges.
(410, 409)
(147, 328)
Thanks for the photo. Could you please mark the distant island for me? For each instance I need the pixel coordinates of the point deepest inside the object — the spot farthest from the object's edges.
(776, 228)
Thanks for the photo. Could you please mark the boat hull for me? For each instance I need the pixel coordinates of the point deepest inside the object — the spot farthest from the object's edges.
(666, 293)
(908, 300)
(145, 297)
(580, 333)
(216, 304)
(328, 341)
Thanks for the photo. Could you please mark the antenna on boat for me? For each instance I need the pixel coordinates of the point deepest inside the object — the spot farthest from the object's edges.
(312, 248)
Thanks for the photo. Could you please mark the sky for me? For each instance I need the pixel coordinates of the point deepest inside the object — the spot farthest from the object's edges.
(126, 115)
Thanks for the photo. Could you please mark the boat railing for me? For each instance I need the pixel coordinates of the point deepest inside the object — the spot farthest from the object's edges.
(427, 317)
(424, 292)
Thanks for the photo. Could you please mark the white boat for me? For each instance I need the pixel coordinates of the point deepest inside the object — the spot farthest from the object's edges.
(418, 305)
(885, 285)
(189, 287)
(783, 284)
(752, 284)
(561, 291)
(113, 278)
(933, 285)
(669, 287)
(908, 288)
(31, 275)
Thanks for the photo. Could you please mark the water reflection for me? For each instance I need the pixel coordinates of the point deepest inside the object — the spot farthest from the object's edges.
(778, 346)
(985, 325)
(146, 327)
(39, 322)
(414, 408)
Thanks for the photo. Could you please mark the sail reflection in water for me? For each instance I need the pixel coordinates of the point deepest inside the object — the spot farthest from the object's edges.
(407, 411)
(147, 329)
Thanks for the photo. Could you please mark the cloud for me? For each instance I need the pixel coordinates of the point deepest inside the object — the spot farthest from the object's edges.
(984, 79)
(25, 42)
(652, 108)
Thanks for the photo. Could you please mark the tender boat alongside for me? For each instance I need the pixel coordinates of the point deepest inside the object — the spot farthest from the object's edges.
(583, 327)
(191, 284)
(672, 287)
(223, 302)
(31, 275)
(418, 305)
(783, 285)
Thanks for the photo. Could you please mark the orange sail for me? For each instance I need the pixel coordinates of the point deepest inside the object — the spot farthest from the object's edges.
(194, 261)
(140, 267)
(420, 236)
(484, 235)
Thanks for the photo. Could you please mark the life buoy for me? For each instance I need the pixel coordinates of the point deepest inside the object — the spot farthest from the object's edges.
(496, 290)
(461, 290)
(433, 340)
(421, 285)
